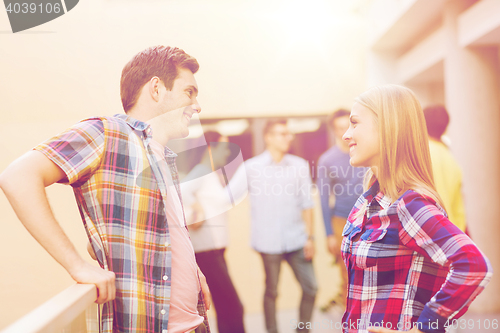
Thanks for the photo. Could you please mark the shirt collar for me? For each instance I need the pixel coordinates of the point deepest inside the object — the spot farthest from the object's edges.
(134, 123)
(268, 159)
(145, 128)
(374, 194)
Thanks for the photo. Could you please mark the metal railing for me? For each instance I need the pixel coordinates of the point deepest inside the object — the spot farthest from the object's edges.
(65, 312)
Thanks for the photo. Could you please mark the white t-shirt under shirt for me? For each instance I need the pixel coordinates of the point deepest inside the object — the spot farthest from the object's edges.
(183, 315)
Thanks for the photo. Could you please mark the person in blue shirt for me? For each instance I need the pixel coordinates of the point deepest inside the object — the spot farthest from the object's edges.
(281, 206)
(339, 186)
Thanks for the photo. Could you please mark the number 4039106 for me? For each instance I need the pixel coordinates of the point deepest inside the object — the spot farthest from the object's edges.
(32, 8)
(472, 324)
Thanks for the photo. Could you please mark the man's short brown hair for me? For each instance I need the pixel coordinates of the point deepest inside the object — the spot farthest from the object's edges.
(273, 122)
(437, 120)
(160, 61)
(337, 114)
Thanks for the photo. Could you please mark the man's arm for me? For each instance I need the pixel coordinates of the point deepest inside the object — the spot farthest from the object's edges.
(325, 184)
(307, 215)
(24, 182)
(207, 297)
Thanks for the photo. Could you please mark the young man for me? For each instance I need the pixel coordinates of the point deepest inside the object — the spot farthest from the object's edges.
(339, 181)
(279, 185)
(447, 173)
(127, 190)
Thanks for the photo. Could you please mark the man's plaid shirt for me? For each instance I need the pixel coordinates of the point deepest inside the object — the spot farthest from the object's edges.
(409, 265)
(120, 193)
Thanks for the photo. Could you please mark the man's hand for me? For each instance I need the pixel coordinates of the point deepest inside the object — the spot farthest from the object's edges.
(24, 183)
(386, 330)
(197, 217)
(309, 249)
(103, 280)
(195, 226)
(204, 289)
(333, 245)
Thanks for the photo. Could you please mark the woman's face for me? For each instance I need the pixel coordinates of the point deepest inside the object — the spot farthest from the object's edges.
(220, 152)
(363, 137)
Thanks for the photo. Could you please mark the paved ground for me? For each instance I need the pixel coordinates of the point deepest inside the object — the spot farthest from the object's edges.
(254, 323)
(329, 322)
(287, 322)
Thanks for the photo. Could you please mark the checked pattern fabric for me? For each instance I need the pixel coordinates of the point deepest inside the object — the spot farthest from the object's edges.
(120, 195)
(407, 263)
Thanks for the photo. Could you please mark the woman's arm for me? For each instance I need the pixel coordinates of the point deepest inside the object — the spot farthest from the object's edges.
(427, 230)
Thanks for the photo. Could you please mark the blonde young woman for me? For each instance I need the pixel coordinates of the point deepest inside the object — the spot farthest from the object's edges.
(409, 267)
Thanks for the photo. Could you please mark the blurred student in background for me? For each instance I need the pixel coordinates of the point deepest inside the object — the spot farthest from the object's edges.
(206, 200)
(341, 184)
(447, 172)
(279, 186)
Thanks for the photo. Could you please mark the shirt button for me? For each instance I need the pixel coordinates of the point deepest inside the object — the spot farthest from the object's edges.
(163, 311)
(165, 278)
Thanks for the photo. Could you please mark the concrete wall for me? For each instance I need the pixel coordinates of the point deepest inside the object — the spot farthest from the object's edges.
(453, 59)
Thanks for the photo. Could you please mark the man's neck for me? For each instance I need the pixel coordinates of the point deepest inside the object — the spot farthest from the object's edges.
(343, 146)
(160, 132)
(431, 138)
(276, 155)
(139, 113)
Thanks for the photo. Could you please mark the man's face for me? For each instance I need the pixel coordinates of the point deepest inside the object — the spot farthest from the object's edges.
(340, 126)
(179, 104)
(220, 151)
(279, 138)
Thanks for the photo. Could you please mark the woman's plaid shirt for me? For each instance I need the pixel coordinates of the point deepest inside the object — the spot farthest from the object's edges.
(407, 265)
(119, 191)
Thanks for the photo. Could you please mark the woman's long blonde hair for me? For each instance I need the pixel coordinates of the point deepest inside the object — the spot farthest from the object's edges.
(405, 161)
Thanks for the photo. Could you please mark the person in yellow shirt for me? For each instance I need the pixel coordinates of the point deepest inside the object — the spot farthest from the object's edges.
(447, 172)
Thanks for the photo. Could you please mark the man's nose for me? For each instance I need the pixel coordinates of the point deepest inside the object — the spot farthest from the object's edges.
(196, 106)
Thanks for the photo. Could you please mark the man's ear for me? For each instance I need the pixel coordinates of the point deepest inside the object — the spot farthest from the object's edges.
(154, 86)
(266, 139)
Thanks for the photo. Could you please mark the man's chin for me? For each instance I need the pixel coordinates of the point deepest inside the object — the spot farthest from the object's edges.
(180, 135)
(185, 133)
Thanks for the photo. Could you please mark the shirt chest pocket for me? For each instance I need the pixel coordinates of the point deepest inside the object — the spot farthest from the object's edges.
(364, 251)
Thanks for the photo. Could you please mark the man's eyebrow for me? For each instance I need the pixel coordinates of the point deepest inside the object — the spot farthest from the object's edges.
(192, 87)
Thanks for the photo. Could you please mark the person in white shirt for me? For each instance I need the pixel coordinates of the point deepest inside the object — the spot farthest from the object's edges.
(206, 200)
